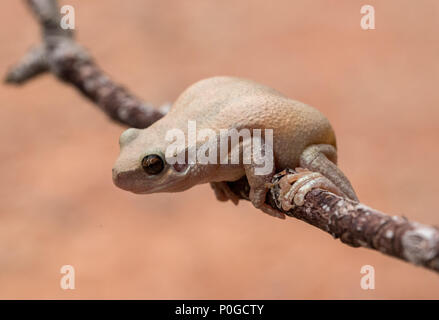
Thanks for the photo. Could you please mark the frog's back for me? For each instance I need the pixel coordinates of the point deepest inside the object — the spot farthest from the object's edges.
(211, 100)
(227, 102)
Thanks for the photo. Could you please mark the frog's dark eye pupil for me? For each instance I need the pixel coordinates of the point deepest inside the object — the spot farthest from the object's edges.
(152, 164)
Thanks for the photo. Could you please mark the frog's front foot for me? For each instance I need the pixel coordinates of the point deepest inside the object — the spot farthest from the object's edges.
(257, 197)
(302, 182)
(223, 192)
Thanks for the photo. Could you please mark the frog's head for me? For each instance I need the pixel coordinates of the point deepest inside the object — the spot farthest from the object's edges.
(142, 166)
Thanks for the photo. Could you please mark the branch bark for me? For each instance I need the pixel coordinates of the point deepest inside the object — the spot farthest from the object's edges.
(353, 223)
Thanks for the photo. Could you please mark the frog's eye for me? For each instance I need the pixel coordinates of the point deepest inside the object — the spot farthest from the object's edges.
(153, 164)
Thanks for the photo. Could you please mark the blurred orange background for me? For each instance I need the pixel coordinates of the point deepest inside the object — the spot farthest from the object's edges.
(58, 205)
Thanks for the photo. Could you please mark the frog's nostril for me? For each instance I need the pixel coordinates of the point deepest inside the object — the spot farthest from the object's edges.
(128, 135)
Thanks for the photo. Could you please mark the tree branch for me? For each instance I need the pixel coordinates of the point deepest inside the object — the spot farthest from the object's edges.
(353, 223)
(71, 63)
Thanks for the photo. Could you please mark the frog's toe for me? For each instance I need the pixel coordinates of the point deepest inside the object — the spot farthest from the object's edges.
(271, 211)
(257, 197)
(303, 182)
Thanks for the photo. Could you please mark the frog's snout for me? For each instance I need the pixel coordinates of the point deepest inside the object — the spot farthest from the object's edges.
(118, 179)
(125, 171)
(125, 180)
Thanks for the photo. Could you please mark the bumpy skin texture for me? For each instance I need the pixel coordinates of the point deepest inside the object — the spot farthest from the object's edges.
(302, 136)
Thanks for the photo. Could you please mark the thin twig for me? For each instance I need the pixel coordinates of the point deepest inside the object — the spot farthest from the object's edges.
(353, 223)
(70, 62)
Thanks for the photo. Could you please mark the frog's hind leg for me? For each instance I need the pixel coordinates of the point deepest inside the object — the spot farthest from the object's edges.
(322, 158)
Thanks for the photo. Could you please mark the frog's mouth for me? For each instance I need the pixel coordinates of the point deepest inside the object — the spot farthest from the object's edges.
(137, 181)
(172, 180)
